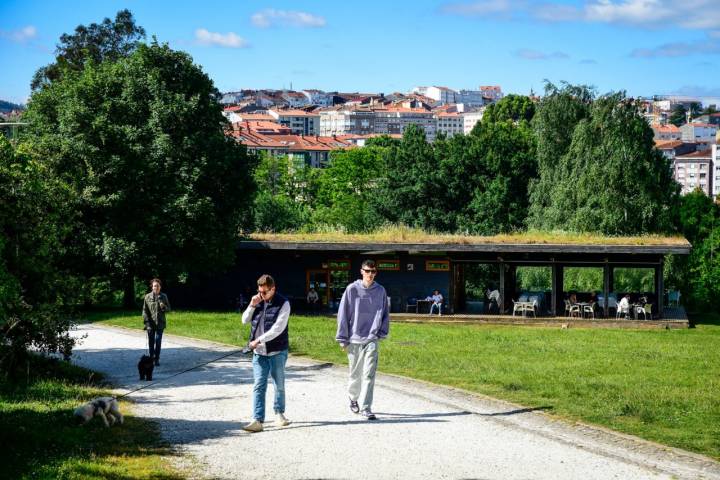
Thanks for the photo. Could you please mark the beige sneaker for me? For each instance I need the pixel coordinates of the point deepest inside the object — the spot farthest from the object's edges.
(254, 427)
(281, 420)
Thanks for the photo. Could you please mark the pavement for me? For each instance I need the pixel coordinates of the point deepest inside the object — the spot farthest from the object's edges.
(423, 430)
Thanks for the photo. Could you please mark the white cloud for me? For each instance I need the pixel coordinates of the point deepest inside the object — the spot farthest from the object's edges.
(271, 17)
(20, 36)
(690, 14)
(530, 54)
(229, 40)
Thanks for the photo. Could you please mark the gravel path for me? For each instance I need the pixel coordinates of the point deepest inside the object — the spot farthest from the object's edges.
(424, 431)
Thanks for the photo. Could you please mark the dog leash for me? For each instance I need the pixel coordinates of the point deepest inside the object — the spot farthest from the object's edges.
(245, 350)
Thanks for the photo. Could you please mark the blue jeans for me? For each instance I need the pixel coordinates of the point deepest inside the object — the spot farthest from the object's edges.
(154, 342)
(439, 308)
(264, 366)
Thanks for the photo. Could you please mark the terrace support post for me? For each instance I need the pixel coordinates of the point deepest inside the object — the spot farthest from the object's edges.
(501, 280)
(557, 304)
(606, 287)
(510, 283)
(660, 288)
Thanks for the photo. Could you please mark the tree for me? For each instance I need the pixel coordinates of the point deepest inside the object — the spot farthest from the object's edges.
(497, 161)
(108, 41)
(141, 140)
(408, 190)
(612, 180)
(283, 198)
(36, 211)
(678, 116)
(695, 109)
(556, 116)
(347, 188)
(697, 274)
(511, 107)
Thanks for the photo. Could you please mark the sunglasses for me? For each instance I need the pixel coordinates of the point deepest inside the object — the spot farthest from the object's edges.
(367, 270)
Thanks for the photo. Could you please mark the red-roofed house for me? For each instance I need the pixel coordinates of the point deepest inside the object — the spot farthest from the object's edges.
(666, 132)
(299, 121)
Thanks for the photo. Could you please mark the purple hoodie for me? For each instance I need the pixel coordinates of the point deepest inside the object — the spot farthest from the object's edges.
(363, 314)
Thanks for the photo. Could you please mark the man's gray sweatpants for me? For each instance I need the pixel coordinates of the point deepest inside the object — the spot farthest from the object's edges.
(363, 360)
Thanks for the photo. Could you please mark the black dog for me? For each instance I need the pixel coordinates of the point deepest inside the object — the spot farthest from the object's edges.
(145, 368)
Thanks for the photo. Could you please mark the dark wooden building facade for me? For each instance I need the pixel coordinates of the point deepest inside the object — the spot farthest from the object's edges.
(414, 270)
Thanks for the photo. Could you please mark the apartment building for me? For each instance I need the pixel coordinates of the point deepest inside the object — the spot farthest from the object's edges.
(344, 120)
(715, 155)
(318, 97)
(441, 95)
(493, 92)
(299, 121)
(394, 120)
(695, 170)
(699, 132)
(450, 123)
(470, 119)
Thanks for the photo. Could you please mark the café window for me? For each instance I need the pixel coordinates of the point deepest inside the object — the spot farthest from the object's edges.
(437, 266)
(388, 264)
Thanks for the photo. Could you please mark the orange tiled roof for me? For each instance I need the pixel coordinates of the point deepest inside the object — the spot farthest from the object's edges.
(669, 128)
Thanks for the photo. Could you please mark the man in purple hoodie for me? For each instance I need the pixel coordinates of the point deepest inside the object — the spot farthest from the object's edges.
(363, 319)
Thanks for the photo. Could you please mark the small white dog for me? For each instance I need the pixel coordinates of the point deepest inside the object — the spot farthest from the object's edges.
(102, 407)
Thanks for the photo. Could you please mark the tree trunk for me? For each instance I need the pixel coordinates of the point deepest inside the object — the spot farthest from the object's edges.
(129, 292)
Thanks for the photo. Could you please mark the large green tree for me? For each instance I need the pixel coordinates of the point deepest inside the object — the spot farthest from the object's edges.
(556, 116)
(285, 193)
(611, 180)
(347, 189)
(96, 43)
(511, 107)
(142, 141)
(410, 182)
(36, 211)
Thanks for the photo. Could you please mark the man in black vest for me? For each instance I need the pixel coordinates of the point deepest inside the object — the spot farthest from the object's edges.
(268, 313)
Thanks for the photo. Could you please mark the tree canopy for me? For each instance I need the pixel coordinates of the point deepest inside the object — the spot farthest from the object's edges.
(109, 40)
(141, 140)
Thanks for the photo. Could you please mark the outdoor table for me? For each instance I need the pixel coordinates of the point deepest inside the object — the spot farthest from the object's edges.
(423, 306)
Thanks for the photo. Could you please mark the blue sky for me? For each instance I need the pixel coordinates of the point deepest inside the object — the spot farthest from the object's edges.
(645, 47)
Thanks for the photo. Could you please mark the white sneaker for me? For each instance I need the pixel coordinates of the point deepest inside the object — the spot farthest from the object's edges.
(254, 426)
(281, 420)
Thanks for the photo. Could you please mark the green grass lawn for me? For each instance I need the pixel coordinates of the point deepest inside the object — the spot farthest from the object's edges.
(662, 385)
(41, 441)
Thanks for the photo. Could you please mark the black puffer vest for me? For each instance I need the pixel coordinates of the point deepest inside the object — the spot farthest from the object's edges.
(268, 314)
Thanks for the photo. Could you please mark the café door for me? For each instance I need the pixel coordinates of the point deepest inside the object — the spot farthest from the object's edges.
(319, 280)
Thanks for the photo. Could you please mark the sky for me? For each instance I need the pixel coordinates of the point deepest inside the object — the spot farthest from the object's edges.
(645, 47)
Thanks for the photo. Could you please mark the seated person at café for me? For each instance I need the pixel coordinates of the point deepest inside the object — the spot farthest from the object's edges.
(573, 299)
(494, 300)
(624, 306)
(313, 300)
(437, 301)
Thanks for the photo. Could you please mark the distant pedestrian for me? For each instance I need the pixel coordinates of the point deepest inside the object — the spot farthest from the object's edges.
(363, 319)
(155, 306)
(268, 313)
